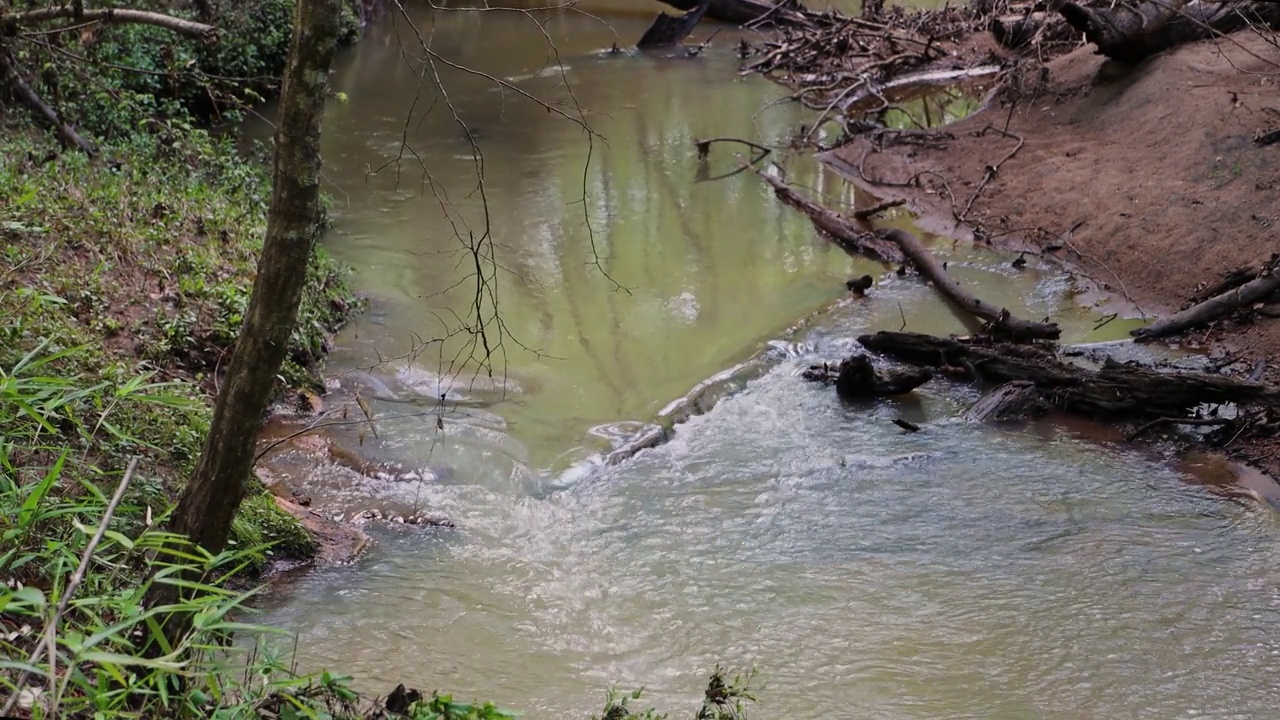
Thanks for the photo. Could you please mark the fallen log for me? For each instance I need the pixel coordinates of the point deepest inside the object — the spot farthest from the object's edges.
(667, 30)
(1001, 323)
(1130, 34)
(741, 12)
(1215, 307)
(1014, 400)
(835, 226)
(1113, 392)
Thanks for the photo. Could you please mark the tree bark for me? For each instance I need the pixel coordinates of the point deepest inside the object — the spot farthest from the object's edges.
(1001, 322)
(210, 500)
(1014, 400)
(1130, 34)
(188, 28)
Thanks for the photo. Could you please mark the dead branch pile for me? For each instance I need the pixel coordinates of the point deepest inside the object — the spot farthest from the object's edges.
(836, 62)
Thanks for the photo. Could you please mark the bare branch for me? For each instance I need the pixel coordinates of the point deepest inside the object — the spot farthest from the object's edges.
(189, 28)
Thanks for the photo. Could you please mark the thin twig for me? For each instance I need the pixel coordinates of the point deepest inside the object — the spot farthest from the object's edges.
(50, 637)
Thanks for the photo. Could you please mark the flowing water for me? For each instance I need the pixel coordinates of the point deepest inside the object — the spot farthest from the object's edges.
(962, 571)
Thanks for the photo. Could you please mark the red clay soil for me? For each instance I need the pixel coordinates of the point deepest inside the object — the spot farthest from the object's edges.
(1158, 162)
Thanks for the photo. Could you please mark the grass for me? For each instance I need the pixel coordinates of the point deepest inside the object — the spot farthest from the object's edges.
(135, 272)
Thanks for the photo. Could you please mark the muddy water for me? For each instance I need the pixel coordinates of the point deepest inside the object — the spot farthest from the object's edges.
(961, 571)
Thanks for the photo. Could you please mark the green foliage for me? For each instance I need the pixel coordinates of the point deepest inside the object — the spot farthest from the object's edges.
(118, 78)
(155, 252)
(262, 529)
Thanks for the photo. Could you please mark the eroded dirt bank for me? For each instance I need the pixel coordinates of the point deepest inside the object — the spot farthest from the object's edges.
(1148, 177)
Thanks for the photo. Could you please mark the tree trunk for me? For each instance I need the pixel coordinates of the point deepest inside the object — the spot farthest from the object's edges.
(211, 498)
(1130, 34)
(9, 73)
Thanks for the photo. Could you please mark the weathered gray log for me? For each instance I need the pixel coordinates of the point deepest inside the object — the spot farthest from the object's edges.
(858, 379)
(1213, 308)
(1001, 323)
(1130, 34)
(836, 226)
(1014, 400)
(1114, 392)
(667, 30)
(741, 12)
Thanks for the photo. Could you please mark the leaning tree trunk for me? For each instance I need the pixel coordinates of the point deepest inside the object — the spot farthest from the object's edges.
(211, 498)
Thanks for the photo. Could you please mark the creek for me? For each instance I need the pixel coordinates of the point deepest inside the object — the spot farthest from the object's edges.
(1044, 570)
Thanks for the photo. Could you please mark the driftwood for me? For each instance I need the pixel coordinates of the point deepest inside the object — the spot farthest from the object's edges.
(1113, 392)
(1001, 323)
(1259, 289)
(667, 31)
(741, 12)
(1013, 400)
(856, 378)
(836, 226)
(1129, 34)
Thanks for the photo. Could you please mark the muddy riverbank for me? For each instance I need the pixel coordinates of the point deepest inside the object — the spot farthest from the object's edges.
(1147, 179)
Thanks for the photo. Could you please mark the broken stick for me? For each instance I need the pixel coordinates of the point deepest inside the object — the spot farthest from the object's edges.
(868, 213)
